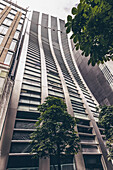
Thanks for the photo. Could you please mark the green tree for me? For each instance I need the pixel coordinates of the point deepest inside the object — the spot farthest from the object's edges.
(106, 121)
(91, 24)
(55, 133)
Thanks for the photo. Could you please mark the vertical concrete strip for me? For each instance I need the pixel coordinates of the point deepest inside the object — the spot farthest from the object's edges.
(44, 85)
(79, 157)
(3, 12)
(66, 94)
(13, 105)
(44, 163)
(9, 36)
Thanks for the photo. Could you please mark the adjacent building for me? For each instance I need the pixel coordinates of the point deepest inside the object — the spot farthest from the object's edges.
(12, 18)
(45, 65)
(99, 79)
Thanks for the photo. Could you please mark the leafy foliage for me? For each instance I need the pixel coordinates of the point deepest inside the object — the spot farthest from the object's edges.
(55, 134)
(92, 29)
(106, 120)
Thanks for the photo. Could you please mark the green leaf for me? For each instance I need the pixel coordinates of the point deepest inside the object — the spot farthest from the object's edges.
(92, 25)
(67, 24)
(93, 63)
(86, 54)
(73, 35)
(56, 130)
(75, 39)
(68, 30)
(77, 46)
(82, 53)
(89, 61)
(74, 11)
(69, 18)
(95, 1)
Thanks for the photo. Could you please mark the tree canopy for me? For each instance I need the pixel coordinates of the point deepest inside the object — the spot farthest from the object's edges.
(91, 24)
(55, 130)
(106, 121)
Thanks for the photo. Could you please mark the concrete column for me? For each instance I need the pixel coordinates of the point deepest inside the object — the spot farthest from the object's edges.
(4, 14)
(44, 164)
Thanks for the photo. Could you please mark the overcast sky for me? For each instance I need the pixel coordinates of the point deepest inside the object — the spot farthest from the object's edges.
(57, 8)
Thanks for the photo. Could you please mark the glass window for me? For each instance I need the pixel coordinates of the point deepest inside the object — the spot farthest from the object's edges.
(22, 16)
(8, 58)
(2, 6)
(10, 16)
(4, 3)
(16, 34)
(19, 27)
(3, 29)
(13, 44)
(1, 38)
(7, 22)
(13, 11)
(21, 21)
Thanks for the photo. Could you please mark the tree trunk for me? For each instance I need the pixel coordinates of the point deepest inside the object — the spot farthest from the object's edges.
(58, 157)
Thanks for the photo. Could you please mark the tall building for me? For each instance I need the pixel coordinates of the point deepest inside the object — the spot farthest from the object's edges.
(99, 79)
(12, 19)
(46, 66)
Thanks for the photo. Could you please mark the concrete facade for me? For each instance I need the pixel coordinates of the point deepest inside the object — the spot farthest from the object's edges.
(95, 80)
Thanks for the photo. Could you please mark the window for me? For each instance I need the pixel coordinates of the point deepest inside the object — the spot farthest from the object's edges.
(12, 46)
(2, 6)
(7, 22)
(22, 16)
(10, 16)
(1, 38)
(8, 58)
(16, 34)
(31, 88)
(4, 3)
(3, 29)
(21, 21)
(19, 27)
(13, 11)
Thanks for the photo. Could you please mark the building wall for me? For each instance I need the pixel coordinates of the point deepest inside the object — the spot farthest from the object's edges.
(95, 79)
(12, 19)
(11, 26)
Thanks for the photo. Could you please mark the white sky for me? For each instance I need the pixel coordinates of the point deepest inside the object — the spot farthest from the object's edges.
(57, 8)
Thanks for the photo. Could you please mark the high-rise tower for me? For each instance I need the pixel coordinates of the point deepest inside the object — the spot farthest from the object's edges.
(47, 67)
(99, 79)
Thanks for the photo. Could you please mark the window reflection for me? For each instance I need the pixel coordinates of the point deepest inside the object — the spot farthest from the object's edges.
(8, 58)
(21, 20)
(3, 29)
(2, 6)
(13, 11)
(7, 22)
(16, 34)
(13, 44)
(19, 27)
(11, 16)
